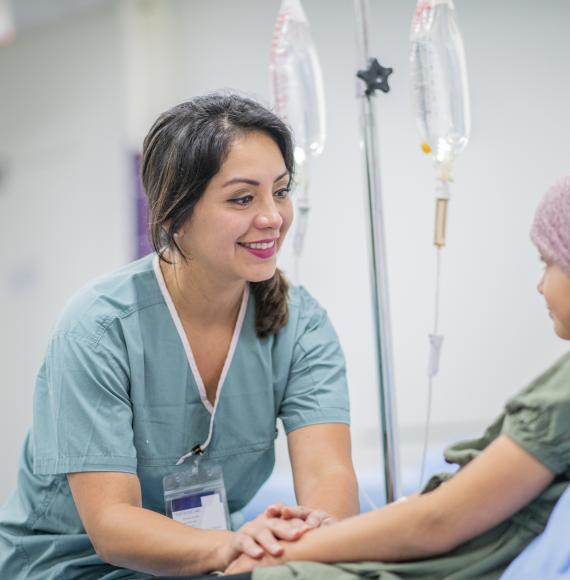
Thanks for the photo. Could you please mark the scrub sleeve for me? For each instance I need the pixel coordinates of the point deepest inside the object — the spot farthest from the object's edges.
(312, 394)
(83, 416)
(537, 419)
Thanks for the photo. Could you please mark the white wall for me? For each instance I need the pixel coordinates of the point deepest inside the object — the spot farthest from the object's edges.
(65, 214)
(497, 334)
(65, 142)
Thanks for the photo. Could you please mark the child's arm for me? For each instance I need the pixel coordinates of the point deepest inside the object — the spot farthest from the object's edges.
(491, 488)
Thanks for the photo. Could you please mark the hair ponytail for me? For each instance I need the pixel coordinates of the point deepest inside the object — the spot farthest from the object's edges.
(271, 307)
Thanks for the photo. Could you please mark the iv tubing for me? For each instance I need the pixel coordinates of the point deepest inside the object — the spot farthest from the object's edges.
(378, 270)
(440, 231)
(430, 380)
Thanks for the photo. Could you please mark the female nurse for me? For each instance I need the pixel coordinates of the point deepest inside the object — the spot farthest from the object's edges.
(194, 350)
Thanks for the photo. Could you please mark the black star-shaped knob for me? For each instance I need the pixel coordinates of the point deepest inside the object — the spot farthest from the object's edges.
(375, 77)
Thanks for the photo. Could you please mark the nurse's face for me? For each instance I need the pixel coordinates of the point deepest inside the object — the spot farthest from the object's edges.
(555, 287)
(239, 224)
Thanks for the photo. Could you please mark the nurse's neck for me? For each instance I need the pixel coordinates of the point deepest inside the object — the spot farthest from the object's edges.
(200, 296)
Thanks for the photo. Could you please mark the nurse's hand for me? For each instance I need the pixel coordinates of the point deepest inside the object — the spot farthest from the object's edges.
(312, 518)
(266, 531)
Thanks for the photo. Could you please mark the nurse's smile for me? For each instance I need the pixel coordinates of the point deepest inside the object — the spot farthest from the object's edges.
(262, 249)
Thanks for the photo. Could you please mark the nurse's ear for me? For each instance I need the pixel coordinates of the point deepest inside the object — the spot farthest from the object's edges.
(181, 243)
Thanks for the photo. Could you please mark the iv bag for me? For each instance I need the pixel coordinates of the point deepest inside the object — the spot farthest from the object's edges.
(7, 31)
(297, 84)
(439, 81)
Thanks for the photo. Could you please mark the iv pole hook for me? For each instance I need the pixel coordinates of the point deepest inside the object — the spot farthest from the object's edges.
(375, 76)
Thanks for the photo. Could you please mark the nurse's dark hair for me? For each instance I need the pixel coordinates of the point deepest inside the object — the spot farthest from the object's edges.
(183, 150)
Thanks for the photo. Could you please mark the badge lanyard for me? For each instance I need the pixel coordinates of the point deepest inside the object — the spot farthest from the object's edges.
(200, 448)
(196, 495)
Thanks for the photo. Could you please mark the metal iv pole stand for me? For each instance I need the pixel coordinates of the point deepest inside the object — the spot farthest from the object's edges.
(375, 76)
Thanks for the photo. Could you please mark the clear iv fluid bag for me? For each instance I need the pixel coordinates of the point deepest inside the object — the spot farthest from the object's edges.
(297, 84)
(439, 79)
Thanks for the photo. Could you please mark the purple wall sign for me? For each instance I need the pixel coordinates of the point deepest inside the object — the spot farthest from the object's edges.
(142, 245)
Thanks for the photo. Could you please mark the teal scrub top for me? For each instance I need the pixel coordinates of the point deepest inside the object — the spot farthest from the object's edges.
(118, 391)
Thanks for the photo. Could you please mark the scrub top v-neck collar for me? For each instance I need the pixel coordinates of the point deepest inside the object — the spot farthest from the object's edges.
(186, 344)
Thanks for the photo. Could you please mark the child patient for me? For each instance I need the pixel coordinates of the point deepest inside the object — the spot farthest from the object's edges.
(471, 524)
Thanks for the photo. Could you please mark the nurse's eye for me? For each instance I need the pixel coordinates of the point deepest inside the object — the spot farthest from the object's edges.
(242, 201)
(282, 193)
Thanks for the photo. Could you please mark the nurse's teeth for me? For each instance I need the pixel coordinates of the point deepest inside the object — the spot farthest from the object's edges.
(260, 246)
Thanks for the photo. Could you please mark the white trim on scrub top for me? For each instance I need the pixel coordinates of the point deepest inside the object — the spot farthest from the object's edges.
(188, 348)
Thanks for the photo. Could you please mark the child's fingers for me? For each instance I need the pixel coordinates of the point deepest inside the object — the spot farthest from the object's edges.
(298, 511)
(274, 510)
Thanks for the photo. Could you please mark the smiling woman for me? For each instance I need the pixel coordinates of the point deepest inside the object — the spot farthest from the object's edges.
(239, 223)
(193, 351)
(227, 140)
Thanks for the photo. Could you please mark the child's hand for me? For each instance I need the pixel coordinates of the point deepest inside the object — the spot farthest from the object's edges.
(312, 518)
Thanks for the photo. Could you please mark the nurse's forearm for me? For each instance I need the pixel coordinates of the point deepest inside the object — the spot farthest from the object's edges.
(322, 469)
(334, 491)
(142, 540)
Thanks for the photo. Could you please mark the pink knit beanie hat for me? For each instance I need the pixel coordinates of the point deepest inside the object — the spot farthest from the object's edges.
(550, 230)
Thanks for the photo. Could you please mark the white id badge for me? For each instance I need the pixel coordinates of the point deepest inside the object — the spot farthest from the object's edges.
(196, 495)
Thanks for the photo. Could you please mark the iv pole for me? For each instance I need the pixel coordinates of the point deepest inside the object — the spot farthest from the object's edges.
(375, 76)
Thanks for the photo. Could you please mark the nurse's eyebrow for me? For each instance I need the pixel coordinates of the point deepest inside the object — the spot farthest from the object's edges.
(235, 180)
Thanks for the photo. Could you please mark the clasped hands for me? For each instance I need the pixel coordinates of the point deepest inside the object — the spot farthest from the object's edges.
(257, 543)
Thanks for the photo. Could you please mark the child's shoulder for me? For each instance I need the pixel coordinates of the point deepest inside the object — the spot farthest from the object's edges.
(538, 418)
(545, 400)
(554, 382)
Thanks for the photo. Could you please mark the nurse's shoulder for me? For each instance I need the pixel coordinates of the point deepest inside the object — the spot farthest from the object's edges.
(305, 312)
(109, 298)
(309, 329)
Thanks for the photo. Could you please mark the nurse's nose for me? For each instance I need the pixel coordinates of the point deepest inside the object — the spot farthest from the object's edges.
(540, 285)
(269, 217)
